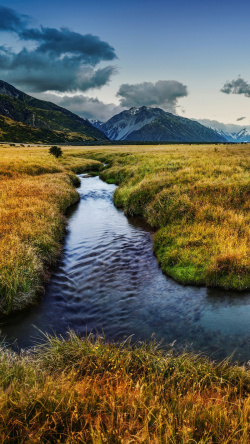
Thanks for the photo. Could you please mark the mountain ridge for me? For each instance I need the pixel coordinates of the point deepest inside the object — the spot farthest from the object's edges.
(156, 125)
(39, 114)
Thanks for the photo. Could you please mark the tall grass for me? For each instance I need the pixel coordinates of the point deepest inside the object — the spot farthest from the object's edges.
(89, 391)
(198, 199)
(35, 191)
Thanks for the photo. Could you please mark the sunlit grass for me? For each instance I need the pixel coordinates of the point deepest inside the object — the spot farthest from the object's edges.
(35, 191)
(88, 391)
(198, 199)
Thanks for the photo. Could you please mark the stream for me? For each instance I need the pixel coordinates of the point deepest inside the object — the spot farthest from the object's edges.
(108, 281)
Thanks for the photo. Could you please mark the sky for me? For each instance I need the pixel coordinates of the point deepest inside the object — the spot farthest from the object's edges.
(99, 57)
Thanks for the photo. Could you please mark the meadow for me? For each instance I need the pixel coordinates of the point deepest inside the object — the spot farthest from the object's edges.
(86, 390)
(35, 191)
(196, 197)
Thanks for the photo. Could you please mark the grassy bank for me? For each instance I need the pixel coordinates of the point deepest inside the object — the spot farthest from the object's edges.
(35, 191)
(88, 391)
(198, 199)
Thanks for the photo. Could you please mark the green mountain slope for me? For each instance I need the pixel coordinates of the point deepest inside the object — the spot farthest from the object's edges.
(12, 131)
(44, 116)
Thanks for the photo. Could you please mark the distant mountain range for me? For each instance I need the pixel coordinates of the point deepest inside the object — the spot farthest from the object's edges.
(231, 132)
(26, 119)
(155, 125)
(241, 136)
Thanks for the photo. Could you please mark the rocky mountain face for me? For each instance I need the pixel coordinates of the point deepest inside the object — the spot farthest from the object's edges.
(45, 116)
(155, 125)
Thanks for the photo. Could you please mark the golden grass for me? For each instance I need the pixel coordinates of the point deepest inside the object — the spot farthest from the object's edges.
(197, 197)
(87, 391)
(35, 191)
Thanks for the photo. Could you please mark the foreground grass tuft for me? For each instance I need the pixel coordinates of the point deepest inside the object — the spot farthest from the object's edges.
(89, 391)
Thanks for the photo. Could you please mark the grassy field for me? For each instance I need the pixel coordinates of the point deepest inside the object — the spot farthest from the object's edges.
(87, 391)
(197, 197)
(75, 391)
(35, 191)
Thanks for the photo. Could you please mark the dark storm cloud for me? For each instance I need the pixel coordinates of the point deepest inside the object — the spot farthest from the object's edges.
(12, 21)
(238, 86)
(36, 72)
(240, 118)
(164, 93)
(88, 48)
(63, 60)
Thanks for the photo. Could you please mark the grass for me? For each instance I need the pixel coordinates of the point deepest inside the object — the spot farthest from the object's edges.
(89, 391)
(35, 191)
(196, 197)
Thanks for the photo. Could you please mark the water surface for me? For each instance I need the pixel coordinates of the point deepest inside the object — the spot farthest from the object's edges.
(109, 280)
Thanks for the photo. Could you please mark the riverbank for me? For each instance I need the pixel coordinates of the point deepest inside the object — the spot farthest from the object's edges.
(35, 191)
(197, 198)
(90, 391)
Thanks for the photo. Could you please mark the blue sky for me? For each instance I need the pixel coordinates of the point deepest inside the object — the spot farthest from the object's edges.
(197, 44)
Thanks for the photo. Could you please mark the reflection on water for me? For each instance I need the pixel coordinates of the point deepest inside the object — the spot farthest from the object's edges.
(109, 280)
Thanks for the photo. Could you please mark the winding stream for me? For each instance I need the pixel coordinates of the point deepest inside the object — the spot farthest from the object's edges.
(109, 280)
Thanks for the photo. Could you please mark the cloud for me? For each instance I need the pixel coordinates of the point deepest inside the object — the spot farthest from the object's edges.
(12, 21)
(164, 93)
(240, 118)
(84, 106)
(238, 86)
(62, 60)
(227, 127)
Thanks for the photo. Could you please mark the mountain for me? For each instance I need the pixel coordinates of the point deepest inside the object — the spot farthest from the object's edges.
(230, 137)
(241, 136)
(155, 125)
(97, 123)
(50, 122)
(232, 132)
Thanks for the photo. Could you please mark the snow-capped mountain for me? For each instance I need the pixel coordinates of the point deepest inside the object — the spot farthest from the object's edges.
(97, 123)
(241, 136)
(230, 137)
(147, 124)
(230, 131)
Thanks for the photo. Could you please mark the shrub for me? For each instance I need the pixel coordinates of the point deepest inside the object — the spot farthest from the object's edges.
(55, 151)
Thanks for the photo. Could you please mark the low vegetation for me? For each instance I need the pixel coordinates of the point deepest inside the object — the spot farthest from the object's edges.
(35, 191)
(198, 199)
(88, 391)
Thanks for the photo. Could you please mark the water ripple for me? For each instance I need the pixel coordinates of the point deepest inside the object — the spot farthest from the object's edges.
(109, 280)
